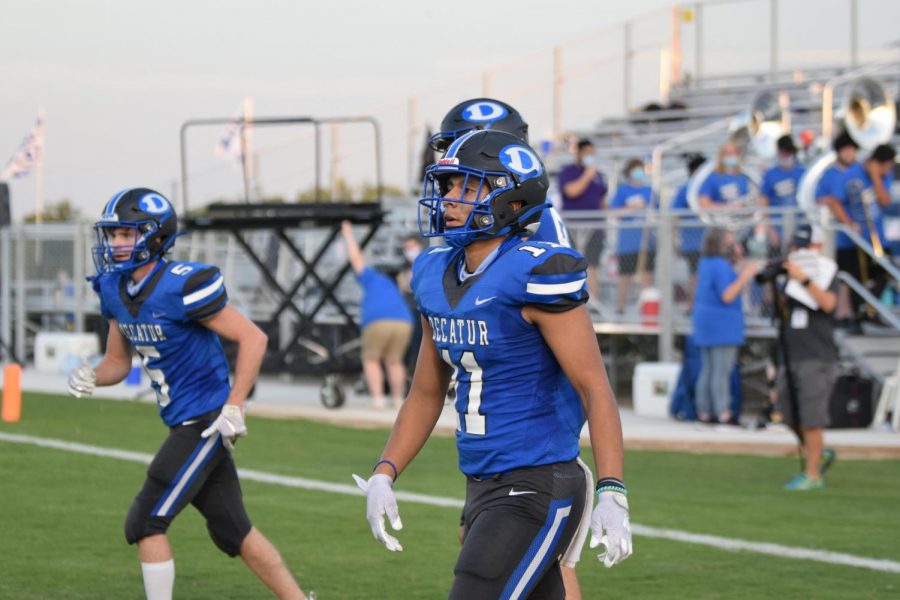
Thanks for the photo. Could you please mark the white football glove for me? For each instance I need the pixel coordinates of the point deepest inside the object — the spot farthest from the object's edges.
(380, 501)
(82, 381)
(229, 423)
(611, 526)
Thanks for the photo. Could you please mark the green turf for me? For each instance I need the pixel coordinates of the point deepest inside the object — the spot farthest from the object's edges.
(61, 533)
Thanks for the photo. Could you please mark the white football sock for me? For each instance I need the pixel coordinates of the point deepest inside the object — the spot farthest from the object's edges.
(159, 579)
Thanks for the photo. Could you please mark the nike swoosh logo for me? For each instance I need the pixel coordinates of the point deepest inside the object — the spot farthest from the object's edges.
(157, 315)
(479, 301)
(513, 492)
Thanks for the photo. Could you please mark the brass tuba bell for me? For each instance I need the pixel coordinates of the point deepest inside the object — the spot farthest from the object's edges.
(868, 112)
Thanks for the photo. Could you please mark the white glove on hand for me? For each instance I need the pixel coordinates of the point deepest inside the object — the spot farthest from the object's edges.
(380, 501)
(611, 526)
(229, 423)
(82, 381)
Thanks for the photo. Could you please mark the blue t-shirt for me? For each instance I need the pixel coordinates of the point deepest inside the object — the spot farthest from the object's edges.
(689, 225)
(852, 187)
(184, 360)
(381, 299)
(592, 196)
(629, 196)
(726, 188)
(715, 322)
(780, 185)
(515, 406)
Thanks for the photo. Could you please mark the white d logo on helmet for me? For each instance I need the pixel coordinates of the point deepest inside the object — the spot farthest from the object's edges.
(154, 204)
(483, 112)
(521, 161)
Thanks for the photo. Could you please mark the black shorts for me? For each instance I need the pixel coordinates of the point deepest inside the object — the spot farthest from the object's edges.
(189, 469)
(590, 242)
(628, 263)
(518, 525)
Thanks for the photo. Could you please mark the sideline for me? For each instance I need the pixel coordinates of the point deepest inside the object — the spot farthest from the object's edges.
(722, 543)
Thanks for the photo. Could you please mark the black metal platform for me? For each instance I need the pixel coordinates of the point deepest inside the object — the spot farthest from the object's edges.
(314, 347)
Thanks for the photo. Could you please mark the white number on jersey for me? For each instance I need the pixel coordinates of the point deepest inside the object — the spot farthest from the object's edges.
(476, 423)
(156, 375)
(562, 234)
(535, 252)
(181, 269)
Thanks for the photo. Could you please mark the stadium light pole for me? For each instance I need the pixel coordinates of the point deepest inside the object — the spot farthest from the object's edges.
(773, 36)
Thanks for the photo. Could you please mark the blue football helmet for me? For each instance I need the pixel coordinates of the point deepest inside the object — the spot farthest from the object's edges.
(497, 163)
(477, 114)
(155, 224)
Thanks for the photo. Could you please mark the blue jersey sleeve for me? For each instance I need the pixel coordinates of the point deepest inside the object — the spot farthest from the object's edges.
(100, 284)
(203, 294)
(557, 282)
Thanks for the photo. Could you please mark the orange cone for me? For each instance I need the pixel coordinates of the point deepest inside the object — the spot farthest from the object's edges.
(12, 393)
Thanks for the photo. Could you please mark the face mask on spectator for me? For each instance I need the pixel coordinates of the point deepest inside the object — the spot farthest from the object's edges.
(786, 161)
(638, 174)
(731, 162)
(588, 160)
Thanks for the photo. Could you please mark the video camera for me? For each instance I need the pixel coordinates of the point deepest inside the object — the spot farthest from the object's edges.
(773, 269)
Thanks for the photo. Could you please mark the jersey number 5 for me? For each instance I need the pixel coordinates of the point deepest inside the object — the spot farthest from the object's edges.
(475, 422)
(156, 375)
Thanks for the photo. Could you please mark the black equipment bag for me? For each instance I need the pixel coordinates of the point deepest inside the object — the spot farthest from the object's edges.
(850, 405)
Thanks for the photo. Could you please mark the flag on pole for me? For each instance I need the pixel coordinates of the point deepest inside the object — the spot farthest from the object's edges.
(27, 155)
(230, 145)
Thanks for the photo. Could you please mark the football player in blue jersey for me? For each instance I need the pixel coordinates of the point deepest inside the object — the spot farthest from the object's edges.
(486, 113)
(171, 313)
(505, 319)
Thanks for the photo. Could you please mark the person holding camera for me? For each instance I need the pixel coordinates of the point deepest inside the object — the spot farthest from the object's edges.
(718, 319)
(809, 368)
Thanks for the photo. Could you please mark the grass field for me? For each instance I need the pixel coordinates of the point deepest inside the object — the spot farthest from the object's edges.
(62, 513)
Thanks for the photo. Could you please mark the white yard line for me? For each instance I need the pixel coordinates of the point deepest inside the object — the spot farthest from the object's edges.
(723, 543)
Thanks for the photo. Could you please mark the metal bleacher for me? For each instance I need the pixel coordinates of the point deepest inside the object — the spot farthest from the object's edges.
(704, 103)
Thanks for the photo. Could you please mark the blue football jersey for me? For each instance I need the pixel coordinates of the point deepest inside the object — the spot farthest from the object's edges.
(515, 407)
(551, 228)
(184, 359)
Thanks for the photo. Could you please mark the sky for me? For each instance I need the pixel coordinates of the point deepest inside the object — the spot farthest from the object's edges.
(117, 79)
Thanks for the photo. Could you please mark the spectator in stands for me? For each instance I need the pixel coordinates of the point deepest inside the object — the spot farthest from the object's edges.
(635, 247)
(727, 185)
(689, 225)
(811, 297)
(583, 188)
(857, 195)
(829, 190)
(718, 319)
(386, 324)
(779, 185)
(412, 246)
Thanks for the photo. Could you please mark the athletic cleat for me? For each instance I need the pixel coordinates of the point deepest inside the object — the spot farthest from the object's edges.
(828, 457)
(802, 483)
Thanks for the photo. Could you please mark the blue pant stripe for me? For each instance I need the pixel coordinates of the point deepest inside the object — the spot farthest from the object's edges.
(186, 474)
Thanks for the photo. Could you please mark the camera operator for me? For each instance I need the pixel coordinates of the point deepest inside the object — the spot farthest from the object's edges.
(810, 355)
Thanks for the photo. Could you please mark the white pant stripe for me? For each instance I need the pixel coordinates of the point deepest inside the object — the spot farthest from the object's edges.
(561, 514)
